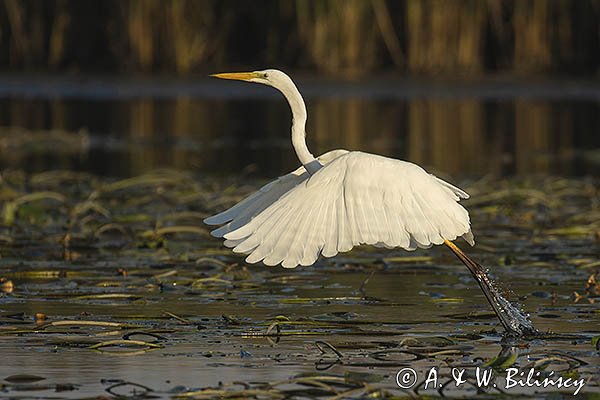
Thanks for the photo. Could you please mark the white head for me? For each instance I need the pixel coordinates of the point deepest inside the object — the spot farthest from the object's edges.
(271, 77)
(283, 83)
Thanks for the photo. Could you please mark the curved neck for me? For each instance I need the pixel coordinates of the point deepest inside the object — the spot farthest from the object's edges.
(298, 108)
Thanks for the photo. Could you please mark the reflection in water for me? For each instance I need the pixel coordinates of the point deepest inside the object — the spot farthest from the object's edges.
(451, 136)
(461, 137)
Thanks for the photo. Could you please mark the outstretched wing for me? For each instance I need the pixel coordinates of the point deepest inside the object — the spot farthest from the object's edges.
(357, 198)
(241, 213)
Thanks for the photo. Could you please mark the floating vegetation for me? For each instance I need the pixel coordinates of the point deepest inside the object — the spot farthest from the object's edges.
(19, 141)
(124, 343)
(122, 275)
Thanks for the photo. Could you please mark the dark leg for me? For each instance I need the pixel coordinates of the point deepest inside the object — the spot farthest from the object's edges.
(512, 318)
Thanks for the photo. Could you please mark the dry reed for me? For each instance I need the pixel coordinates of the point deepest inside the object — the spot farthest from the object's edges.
(351, 36)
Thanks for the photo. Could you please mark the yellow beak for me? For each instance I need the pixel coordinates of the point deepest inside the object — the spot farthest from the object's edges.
(237, 76)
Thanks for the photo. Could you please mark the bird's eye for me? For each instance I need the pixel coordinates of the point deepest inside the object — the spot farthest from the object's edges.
(265, 75)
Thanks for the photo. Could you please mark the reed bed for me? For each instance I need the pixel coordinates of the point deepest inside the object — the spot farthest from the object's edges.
(337, 37)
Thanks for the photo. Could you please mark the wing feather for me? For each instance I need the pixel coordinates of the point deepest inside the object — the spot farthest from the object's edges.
(365, 220)
(300, 233)
(345, 221)
(460, 194)
(384, 221)
(259, 200)
(279, 247)
(430, 229)
(316, 236)
(393, 204)
(330, 245)
(267, 235)
(355, 198)
(253, 205)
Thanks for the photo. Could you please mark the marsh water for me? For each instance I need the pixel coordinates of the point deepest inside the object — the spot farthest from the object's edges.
(120, 127)
(111, 284)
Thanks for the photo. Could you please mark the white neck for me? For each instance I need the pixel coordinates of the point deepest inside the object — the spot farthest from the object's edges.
(298, 108)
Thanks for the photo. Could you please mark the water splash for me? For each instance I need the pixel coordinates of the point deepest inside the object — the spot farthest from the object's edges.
(513, 318)
(511, 315)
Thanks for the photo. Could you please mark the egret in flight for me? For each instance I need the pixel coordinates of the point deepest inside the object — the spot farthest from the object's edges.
(343, 199)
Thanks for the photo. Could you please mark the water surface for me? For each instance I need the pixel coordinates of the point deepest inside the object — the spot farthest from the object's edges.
(125, 127)
(78, 244)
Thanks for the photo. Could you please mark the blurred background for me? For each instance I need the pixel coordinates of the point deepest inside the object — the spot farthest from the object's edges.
(115, 144)
(467, 87)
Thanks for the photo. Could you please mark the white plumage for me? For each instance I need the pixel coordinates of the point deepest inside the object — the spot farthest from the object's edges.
(343, 199)
(339, 200)
(297, 217)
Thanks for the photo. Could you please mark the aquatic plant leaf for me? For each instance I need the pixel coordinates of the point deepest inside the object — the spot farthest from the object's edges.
(11, 207)
(24, 378)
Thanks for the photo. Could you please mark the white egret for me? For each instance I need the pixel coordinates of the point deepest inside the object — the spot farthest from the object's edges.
(342, 199)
